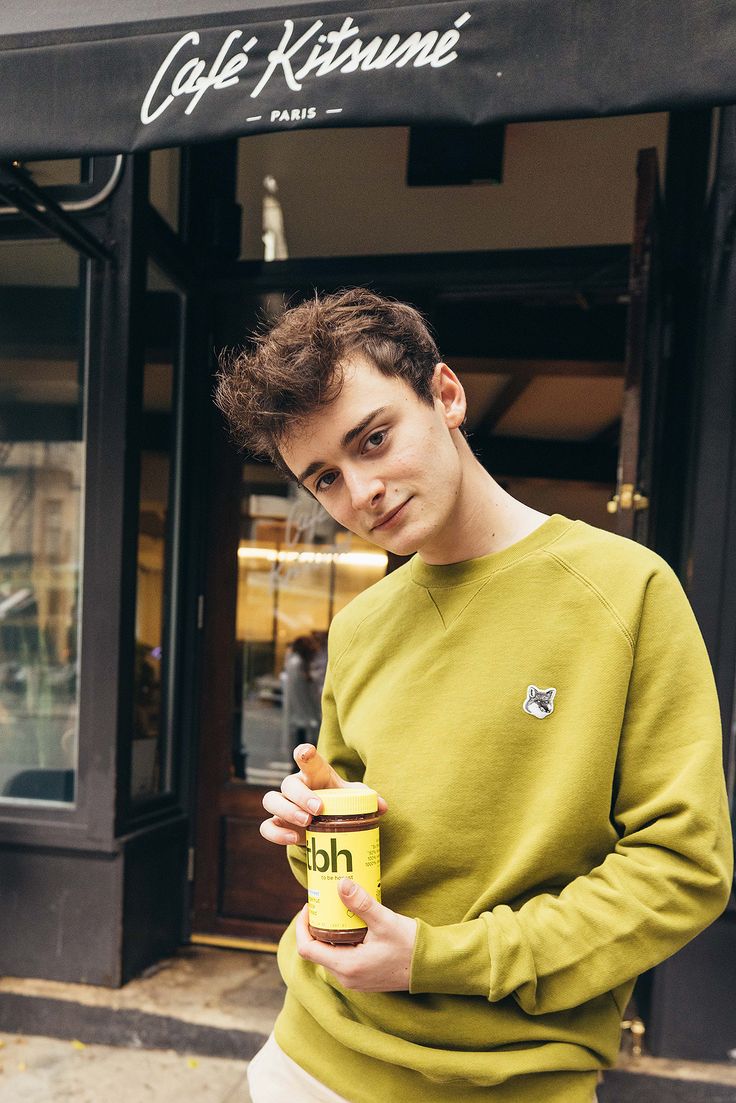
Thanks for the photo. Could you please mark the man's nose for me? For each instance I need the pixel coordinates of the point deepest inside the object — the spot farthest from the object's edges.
(364, 490)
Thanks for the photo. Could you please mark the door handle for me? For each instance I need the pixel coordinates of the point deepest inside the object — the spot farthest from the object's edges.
(627, 498)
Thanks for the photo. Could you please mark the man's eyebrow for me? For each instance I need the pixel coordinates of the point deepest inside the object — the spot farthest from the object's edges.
(346, 441)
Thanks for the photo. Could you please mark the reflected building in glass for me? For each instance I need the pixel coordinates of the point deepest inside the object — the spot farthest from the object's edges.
(296, 569)
(41, 510)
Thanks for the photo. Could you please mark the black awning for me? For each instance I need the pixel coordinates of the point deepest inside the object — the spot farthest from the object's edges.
(100, 76)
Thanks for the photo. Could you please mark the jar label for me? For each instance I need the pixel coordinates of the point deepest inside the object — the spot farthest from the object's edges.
(330, 857)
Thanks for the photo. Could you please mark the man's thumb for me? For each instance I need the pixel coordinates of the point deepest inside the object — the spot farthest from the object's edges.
(358, 901)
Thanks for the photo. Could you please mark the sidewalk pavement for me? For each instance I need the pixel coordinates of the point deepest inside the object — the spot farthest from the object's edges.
(184, 1031)
(35, 1069)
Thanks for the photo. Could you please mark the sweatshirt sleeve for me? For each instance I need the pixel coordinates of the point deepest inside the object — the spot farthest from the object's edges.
(667, 878)
(345, 761)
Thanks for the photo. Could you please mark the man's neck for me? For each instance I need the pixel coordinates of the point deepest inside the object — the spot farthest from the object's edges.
(485, 519)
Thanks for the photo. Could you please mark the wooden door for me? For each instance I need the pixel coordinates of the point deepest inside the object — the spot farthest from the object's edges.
(279, 568)
(634, 502)
(243, 888)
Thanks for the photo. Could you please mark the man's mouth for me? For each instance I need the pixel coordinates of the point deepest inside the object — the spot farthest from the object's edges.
(389, 518)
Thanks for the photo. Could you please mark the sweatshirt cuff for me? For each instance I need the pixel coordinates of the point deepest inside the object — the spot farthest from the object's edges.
(452, 959)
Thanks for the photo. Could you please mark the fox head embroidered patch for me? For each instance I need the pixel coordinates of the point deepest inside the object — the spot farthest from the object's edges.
(539, 702)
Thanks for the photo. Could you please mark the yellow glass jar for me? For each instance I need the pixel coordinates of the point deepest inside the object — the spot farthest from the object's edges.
(342, 841)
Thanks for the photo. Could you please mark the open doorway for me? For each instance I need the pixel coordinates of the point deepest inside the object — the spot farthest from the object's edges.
(281, 568)
(538, 336)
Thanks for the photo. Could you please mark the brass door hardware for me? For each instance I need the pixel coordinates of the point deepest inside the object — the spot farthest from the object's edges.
(637, 1030)
(627, 498)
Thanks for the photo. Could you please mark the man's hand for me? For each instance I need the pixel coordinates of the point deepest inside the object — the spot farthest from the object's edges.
(292, 809)
(382, 962)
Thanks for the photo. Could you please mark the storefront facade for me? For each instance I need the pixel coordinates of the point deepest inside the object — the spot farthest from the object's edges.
(154, 582)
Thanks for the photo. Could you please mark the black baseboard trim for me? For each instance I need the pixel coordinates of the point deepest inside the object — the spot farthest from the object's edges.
(122, 1027)
(632, 1087)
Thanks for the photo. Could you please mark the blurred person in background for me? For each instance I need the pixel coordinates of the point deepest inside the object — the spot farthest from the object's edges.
(301, 706)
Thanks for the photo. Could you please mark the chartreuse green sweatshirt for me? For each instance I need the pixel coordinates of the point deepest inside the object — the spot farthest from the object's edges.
(544, 726)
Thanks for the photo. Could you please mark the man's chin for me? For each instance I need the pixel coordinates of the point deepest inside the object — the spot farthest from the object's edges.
(397, 546)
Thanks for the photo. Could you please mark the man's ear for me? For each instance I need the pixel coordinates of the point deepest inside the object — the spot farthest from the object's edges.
(448, 390)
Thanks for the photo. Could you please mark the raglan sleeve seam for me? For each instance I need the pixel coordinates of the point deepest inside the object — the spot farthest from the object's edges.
(359, 624)
(601, 597)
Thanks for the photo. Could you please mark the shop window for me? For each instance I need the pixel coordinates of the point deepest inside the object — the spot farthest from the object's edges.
(41, 510)
(296, 569)
(150, 770)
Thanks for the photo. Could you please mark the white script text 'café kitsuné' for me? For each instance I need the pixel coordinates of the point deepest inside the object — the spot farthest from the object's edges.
(310, 55)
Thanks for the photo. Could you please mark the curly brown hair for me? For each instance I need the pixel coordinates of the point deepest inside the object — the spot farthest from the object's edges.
(296, 366)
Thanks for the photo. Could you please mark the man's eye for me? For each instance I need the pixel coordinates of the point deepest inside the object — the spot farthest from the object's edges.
(321, 484)
(381, 433)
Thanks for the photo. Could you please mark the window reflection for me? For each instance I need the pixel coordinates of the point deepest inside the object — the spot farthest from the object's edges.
(41, 501)
(296, 569)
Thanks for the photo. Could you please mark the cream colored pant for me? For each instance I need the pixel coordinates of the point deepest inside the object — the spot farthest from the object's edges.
(274, 1078)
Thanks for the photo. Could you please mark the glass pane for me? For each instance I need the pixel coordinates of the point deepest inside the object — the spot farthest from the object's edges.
(149, 769)
(58, 171)
(163, 185)
(296, 569)
(41, 510)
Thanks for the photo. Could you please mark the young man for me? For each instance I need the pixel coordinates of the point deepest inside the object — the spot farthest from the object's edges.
(531, 698)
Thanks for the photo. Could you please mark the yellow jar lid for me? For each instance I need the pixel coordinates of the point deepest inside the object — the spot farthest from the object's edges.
(347, 802)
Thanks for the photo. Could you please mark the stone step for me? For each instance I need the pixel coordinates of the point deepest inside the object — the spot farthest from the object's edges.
(203, 1000)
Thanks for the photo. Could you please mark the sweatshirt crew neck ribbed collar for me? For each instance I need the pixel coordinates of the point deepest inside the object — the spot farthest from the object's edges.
(472, 570)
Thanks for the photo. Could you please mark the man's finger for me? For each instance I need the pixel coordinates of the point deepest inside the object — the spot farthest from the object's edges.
(285, 812)
(360, 902)
(316, 771)
(303, 936)
(307, 945)
(275, 831)
(338, 959)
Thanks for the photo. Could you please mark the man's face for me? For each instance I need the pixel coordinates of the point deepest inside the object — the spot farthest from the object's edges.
(383, 463)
